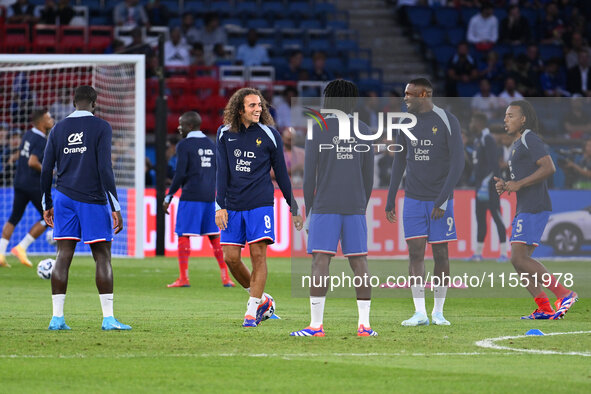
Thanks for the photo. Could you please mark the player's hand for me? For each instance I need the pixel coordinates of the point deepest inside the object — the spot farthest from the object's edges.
(512, 186)
(117, 222)
(391, 216)
(165, 207)
(499, 186)
(48, 217)
(298, 222)
(437, 213)
(221, 219)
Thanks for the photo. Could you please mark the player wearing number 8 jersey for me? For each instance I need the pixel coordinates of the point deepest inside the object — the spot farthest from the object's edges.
(434, 163)
(530, 165)
(247, 148)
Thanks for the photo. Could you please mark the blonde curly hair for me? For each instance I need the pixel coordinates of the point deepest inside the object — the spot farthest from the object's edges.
(235, 108)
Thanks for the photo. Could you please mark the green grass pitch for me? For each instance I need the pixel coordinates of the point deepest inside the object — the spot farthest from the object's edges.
(191, 339)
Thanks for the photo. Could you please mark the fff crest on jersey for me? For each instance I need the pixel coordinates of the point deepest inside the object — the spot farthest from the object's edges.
(434, 129)
(259, 142)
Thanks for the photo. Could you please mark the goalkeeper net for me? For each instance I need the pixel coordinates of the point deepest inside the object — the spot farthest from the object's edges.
(29, 82)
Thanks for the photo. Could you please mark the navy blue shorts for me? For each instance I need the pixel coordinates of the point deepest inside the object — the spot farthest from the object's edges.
(196, 218)
(326, 229)
(417, 222)
(77, 220)
(249, 226)
(527, 228)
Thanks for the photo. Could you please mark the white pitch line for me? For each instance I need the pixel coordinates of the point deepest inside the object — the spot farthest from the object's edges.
(489, 343)
(255, 355)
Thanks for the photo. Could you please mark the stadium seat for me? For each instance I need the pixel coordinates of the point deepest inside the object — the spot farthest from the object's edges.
(518, 50)
(467, 13)
(323, 45)
(467, 89)
(257, 24)
(337, 25)
(72, 39)
(346, 46)
(99, 38)
(443, 53)
(549, 51)
(456, 35)
(205, 86)
(447, 17)
(310, 24)
(370, 84)
(358, 66)
(45, 38)
(334, 65)
(172, 122)
(298, 8)
(284, 24)
(16, 38)
(221, 8)
(246, 9)
(197, 8)
(274, 9)
(419, 16)
(531, 16)
(432, 36)
(321, 10)
(500, 13)
(150, 121)
(502, 49)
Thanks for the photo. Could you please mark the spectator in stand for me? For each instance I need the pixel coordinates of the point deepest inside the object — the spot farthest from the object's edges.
(198, 55)
(552, 27)
(461, 68)
(515, 29)
(157, 13)
(577, 43)
(483, 29)
(578, 172)
(251, 53)
(368, 113)
(485, 101)
(63, 106)
(176, 52)
(55, 14)
(579, 78)
(577, 122)
(220, 57)
(282, 106)
(492, 68)
(527, 80)
(212, 33)
(137, 45)
(536, 63)
(294, 67)
(130, 13)
(188, 30)
(319, 72)
(510, 93)
(21, 12)
(553, 81)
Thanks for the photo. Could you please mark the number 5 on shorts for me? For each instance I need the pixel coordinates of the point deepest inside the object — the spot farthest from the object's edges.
(518, 226)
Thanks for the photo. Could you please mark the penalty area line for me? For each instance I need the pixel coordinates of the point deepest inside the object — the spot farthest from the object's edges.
(254, 355)
(490, 343)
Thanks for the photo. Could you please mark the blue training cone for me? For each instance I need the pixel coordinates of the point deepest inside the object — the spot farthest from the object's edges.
(535, 332)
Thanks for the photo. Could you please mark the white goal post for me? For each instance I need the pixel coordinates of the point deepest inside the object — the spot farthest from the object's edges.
(32, 81)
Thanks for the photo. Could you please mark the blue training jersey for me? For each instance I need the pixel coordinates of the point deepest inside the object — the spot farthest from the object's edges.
(526, 151)
(487, 158)
(434, 163)
(80, 146)
(195, 169)
(244, 161)
(337, 179)
(33, 143)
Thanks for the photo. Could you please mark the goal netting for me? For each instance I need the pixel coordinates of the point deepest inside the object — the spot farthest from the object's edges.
(29, 82)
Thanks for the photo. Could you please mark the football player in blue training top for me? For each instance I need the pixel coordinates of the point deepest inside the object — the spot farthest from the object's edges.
(247, 148)
(434, 164)
(530, 165)
(485, 168)
(26, 186)
(85, 200)
(337, 187)
(195, 172)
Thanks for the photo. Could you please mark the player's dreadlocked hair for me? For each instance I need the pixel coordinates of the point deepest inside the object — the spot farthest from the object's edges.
(342, 95)
(531, 119)
(235, 108)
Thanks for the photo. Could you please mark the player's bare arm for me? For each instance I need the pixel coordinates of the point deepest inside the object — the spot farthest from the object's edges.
(545, 169)
(48, 217)
(221, 218)
(34, 163)
(117, 222)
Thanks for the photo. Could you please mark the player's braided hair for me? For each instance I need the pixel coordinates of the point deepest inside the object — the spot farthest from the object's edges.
(235, 108)
(531, 119)
(342, 95)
